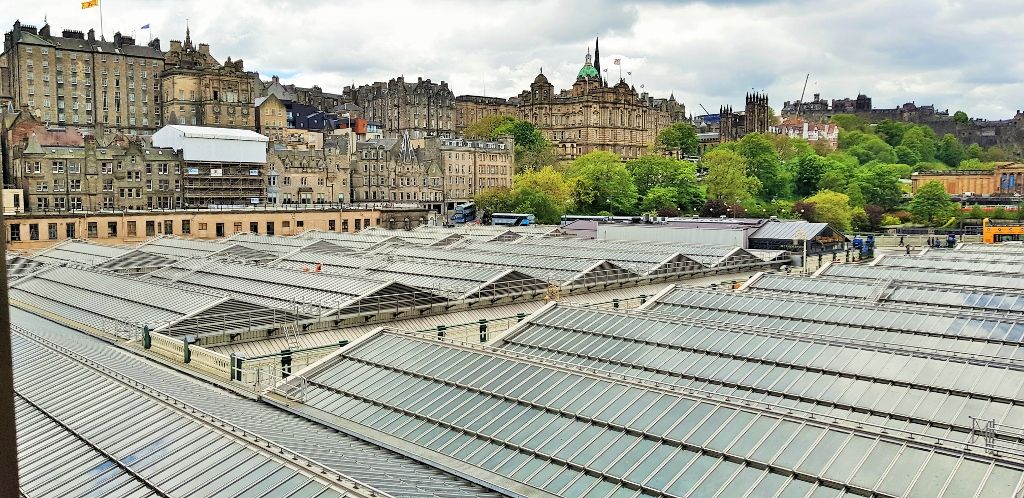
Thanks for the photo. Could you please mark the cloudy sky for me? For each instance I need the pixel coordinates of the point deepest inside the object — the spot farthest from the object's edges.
(955, 54)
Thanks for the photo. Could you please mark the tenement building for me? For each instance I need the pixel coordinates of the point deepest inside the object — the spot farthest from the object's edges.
(589, 116)
(78, 80)
(198, 90)
(310, 176)
(472, 108)
(434, 172)
(64, 169)
(423, 108)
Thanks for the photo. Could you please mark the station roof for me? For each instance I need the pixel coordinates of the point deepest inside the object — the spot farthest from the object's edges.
(711, 256)
(117, 444)
(303, 292)
(927, 276)
(78, 252)
(971, 265)
(894, 291)
(777, 366)
(460, 281)
(538, 427)
(952, 331)
(179, 248)
(386, 470)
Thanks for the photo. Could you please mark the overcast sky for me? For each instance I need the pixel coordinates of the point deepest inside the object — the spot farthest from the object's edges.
(955, 54)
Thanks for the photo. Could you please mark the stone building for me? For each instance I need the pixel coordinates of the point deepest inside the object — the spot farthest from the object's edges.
(198, 90)
(64, 169)
(313, 96)
(271, 117)
(755, 118)
(472, 108)
(423, 108)
(435, 172)
(589, 116)
(76, 80)
(1006, 179)
(307, 176)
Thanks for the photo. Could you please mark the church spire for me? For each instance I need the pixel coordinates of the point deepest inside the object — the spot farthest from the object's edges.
(188, 36)
(597, 54)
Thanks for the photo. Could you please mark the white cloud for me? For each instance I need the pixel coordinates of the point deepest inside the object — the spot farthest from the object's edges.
(957, 55)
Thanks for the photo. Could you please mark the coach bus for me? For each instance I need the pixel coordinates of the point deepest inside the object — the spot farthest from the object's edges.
(513, 219)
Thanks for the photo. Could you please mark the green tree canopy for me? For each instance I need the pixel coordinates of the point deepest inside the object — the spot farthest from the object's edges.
(831, 207)
(849, 122)
(921, 139)
(892, 131)
(809, 170)
(544, 192)
(601, 182)
(651, 171)
(880, 185)
(532, 150)
(931, 204)
(679, 137)
(872, 148)
(950, 151)
(727, 178)
(764, 164)
(906, 155)
(960, 117)
(659, 198)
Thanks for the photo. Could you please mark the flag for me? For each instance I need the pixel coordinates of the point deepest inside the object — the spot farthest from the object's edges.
(629, 73)
(90, 3)
(145, 27)
(617, 62)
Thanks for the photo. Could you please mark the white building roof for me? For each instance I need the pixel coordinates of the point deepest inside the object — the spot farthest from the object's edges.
(218, 133)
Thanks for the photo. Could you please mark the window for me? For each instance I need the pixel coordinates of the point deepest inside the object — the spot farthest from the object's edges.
(33, 231)
(76, 203)
(270, 228)
(75, 185)
(150, 228)
(202, 226)
(51, 231)
(111, 229)
(132, 229)
(15, 232)
(286, 224)
(42, 203)
(331, 225)
(254, 227)
(58, 166)
(238, 227)
(344, 225)
(69, 230)
(58, 203)
(186, 227)
(168, 227)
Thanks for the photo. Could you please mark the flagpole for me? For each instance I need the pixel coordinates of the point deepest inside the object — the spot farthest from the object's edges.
(100, 5)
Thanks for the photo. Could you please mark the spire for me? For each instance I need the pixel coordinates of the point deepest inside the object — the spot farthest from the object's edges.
(597, 54)
(188, 36)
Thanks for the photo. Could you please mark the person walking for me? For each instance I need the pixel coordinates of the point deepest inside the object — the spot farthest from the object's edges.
(908, 249)
(901, 241)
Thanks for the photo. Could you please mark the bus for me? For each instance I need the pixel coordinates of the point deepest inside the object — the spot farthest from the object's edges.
(513, 219)
(465, 213)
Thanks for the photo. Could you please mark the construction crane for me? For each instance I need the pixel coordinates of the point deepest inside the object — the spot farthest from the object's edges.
(800, 103)
(705, 110)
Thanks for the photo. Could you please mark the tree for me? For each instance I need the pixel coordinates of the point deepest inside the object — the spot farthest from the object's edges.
(726, 177)
(651, 171)
(679, 138)
(874, 214)
(545, 193)
(906, 155)
(833, 208)
(994, 154)
(484, 127)
(764, 164)
(974, 151)
(849, 122)
(532, 150)
(880, 185)
(892, 131)
(809, 169)
(960, 117)
(950, 150)
(931, 203)
(920, 139)
(600, 182)
(873, 148)
(659, 198)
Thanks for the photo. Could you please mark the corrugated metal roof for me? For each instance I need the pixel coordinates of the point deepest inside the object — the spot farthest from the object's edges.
(789, 230)
(218, 133)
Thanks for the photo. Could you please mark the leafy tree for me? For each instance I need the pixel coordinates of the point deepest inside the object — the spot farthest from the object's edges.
(921, 139)
(726, 177)
(532, 150)
(528, 199)
(600, 182)
(974, 151)
(960, 117)
(494, 200)
(880, 185)
(545, 193)
(484, 127)
(931, 203)
(855, 194)
(906, 155)
(718, 207)
(679, 137)
(849, 122)
(809, 169)
(995, 153)
(804, 210)
(659, 199)
(651, 171)
(950, 151)
(892, 131)
(764, 164)
(525, 134)
(873, 148)
(791, 147)
(833, 208)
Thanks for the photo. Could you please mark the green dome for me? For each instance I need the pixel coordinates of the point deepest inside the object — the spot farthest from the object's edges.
(588, 71)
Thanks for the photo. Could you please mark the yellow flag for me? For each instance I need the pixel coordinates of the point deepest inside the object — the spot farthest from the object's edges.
(90, 3)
